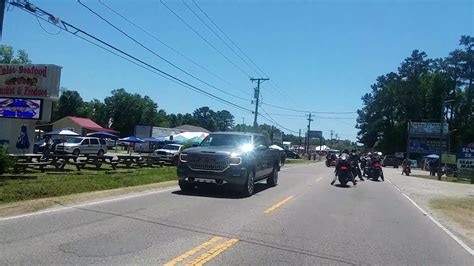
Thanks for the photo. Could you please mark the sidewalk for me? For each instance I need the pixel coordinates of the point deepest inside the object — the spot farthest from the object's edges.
(422, 191)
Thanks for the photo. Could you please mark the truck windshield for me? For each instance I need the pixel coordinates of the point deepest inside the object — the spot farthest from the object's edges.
(171, 147)
(226, 140)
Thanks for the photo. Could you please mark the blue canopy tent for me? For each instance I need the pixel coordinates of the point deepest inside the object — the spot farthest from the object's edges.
(131, 139)
(103, 135)
(432, 156)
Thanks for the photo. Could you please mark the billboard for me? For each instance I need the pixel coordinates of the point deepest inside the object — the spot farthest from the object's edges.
(20, 108)
(427, 128)
(315, 134)
(426, 145)
(29, 81)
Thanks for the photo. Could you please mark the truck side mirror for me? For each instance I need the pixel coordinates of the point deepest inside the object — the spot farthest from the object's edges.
(262, 147)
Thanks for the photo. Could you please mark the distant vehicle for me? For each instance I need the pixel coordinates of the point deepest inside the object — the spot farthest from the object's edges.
(235, 158)
(390, 160)
(292, 154)
(83, 145)
(169, 153)
(39, 146)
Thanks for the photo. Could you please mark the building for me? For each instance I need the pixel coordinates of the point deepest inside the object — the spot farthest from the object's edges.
(80, 125)
(190, 128)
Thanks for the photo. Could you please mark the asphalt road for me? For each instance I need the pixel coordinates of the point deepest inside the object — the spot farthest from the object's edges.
(302, 221)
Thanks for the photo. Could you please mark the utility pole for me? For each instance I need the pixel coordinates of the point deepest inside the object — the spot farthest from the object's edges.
(299, 137)
(307, 137)
(257, 97)
(2, 13)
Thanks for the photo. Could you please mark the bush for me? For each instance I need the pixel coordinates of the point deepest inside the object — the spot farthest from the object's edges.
(5, 160)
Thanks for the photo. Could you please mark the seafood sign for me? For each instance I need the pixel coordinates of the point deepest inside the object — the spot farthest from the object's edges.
(32, 81)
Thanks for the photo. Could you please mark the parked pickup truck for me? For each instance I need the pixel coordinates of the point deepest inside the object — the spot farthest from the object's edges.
(169, 153)
(234, 158)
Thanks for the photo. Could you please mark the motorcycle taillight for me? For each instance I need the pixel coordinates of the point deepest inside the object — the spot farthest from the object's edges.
(377, 165)
(344, 168)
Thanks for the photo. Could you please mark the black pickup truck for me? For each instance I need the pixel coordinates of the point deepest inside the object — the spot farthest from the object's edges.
(234, 158)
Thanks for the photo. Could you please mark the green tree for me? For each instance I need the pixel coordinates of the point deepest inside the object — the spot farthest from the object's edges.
(7, 56)
(206, 118)
(70, 104)
(224, 120)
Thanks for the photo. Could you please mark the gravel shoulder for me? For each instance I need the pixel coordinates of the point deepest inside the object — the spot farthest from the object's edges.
(422, 191)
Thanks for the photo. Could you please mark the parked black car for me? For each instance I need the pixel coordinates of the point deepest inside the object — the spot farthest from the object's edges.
(233, 158)
(390, 160)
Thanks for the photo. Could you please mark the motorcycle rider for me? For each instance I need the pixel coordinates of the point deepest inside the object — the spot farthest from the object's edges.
(343, 157)
(377, 158)
(405, 163)
(355, 159)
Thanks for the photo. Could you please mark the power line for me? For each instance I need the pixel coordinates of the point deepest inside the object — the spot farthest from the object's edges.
(30, 8)
(260, 71)
(165, 44)
(156, 54)
(218, 36)
(275, 122)
(306, 111)
(204, 39)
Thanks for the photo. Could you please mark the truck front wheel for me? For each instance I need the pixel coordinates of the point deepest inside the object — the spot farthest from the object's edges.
(248, 188)
(272, 179)
(185, 186)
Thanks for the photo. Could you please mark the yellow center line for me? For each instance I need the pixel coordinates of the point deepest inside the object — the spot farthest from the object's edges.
(192, 251)
(279, 204)
(206, 257)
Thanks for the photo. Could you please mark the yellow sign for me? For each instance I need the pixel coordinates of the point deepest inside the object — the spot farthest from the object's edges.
(448, 158)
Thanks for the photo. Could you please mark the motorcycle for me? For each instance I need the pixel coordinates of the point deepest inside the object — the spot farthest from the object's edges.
(375, 171)
(344, 173)
(407, 170)
(331, 161)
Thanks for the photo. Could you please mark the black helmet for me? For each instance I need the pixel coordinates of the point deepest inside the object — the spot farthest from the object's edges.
(354, 150)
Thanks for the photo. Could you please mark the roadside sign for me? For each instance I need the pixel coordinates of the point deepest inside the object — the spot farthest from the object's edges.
(427, 129)
(425, 145)
(315, 134)
(448, 158)
(466, 152)
(277, 137)
(466, 161)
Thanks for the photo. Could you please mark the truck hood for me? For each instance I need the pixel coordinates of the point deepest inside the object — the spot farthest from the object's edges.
(167, 151)
(218, 150)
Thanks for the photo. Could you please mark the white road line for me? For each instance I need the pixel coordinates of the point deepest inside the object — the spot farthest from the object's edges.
(87, 204)
(319, 179)
(453, 236)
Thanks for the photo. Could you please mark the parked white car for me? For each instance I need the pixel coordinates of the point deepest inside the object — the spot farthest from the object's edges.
(169, 153)
(83, 145)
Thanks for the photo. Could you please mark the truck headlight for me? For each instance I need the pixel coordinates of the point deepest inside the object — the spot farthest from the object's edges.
(183, 157)
(235, 160)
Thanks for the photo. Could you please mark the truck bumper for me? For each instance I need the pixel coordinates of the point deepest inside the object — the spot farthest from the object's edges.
(235, 175)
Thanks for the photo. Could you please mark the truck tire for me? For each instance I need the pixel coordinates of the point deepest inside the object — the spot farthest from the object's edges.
(248, 188)
(185, 186)
(272, 179)
(76, 152)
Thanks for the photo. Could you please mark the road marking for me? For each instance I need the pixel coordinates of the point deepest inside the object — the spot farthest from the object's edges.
(279, 204)
(206, 257)
(193, 251)
(453, 236)
(87, 204)
(319, 179)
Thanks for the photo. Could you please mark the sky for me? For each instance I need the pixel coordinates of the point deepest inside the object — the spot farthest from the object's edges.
(320, 56)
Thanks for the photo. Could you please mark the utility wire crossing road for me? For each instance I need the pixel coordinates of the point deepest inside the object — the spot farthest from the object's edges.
(302, 221)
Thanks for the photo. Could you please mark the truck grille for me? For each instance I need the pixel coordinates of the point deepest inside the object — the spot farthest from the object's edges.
(208, 163)
(161, 153)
